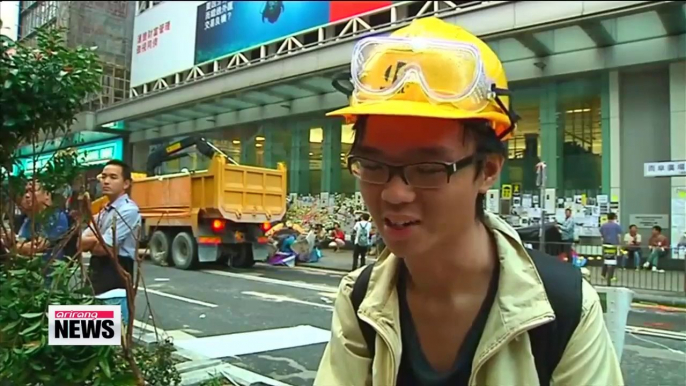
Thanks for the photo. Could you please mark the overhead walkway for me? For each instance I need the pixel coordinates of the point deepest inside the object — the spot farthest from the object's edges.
(535, 39)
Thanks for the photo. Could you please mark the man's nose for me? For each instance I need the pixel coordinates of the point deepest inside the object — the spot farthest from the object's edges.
(396, 191)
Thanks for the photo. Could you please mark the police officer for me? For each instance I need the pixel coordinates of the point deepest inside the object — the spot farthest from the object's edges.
(120, 218)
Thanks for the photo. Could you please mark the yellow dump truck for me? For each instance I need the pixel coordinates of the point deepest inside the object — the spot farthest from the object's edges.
(218, 214)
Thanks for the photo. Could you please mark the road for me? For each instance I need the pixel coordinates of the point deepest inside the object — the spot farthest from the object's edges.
(195, 306)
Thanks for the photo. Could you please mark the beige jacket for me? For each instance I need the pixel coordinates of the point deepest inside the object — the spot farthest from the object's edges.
(503, 357)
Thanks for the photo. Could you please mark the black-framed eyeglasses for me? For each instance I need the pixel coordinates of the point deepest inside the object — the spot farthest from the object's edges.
(425, 175)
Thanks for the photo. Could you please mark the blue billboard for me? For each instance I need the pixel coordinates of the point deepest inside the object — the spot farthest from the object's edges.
(225, 27)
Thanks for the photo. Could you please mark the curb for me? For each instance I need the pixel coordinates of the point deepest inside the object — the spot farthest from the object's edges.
(670, 301)
(195, 369)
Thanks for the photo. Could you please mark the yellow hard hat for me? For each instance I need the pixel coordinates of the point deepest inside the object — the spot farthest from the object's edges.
(414, 101)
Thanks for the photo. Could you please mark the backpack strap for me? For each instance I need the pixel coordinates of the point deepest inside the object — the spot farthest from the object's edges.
(563, 285)
(356, 297)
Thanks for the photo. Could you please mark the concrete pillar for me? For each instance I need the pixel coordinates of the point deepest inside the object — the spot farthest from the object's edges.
(551, 136)
(331, 163)
(677, 129)
(268, 131)
(248, 148)
(299, 172)
(611, 133)
(139, 155)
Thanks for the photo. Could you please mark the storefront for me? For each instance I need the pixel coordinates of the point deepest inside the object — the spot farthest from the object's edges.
(94, 155)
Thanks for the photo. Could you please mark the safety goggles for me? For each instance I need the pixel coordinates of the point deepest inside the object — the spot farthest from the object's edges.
(447, 72)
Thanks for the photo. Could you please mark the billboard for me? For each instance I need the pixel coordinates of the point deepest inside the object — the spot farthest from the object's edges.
(226, 27)
(176, 35)
(163, 41)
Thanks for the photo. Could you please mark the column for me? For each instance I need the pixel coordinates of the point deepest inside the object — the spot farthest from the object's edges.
(139, 156)
(677, 129)
(331, 165)
(551, 136)
(268, 130)
(299, 172)
(610, 126)
(247, 147)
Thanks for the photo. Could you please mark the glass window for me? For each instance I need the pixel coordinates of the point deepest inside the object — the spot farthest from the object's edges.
(579, 115)
(524, 148)
(315, 159)
(348, 185)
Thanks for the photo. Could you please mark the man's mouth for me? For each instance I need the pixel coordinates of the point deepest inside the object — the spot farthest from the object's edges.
(400, 224)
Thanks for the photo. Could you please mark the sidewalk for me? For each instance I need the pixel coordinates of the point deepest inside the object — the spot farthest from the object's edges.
(343, 261)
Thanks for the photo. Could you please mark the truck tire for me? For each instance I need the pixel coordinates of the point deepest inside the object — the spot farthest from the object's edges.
(184, 251)
(160, 246)
(243, 257)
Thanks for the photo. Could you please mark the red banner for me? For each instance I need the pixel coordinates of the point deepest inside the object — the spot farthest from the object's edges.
(340, 10)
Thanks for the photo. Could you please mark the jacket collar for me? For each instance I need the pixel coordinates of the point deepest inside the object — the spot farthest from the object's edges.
(521, 297)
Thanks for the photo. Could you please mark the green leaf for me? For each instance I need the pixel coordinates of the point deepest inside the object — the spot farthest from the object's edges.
(8, 83)
(31, 328)
(11, 325)
(17, 272)
(32, 315)
(105, 366)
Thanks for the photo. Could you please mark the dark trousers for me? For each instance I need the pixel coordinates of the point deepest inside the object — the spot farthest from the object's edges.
(359, 254)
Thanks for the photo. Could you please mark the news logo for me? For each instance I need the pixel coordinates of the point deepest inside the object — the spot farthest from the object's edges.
(84, 325)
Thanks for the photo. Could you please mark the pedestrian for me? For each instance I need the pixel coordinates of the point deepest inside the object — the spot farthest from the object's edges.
(122, 214)
(38, 234)
(337, 238)
(632, 243)
(659, 248)
(567, 230)
(362, 237)
(611, 234)
(455, 299)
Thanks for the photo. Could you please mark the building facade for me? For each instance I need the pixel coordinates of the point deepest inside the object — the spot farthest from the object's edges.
(600, 87)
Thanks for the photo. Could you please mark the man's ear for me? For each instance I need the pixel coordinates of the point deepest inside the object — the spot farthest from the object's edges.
(493, 165)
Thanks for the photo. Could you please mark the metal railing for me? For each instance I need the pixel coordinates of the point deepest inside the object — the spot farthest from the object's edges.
(630, 271)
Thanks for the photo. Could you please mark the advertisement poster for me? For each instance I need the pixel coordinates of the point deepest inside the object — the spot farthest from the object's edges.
(163, 41)
(225, 27)
(174, 36)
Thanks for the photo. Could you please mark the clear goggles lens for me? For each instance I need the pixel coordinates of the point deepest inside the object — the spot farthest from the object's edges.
(447, 72)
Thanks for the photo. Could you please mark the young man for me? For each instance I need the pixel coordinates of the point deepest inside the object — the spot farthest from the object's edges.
(632, 243)
(362, 239)
(121, 214)
(659, 248)
(455, 297)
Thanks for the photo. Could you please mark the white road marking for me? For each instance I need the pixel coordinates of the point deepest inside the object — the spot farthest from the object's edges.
(181, 298)
(280, 298)
(656, 332)
(306, 286)
(325, 271)
(222, 346)
(248, 377)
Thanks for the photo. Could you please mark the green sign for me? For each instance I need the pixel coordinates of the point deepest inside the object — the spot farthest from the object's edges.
(93, 154)
(118, 125)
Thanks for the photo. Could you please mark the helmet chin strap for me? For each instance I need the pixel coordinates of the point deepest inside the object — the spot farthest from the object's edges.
(514, 117)
(337, 83)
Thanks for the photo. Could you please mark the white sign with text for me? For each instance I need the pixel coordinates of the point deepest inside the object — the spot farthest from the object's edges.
(84, 325)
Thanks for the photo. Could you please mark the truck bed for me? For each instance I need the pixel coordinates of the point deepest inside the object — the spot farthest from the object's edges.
(242, 194)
